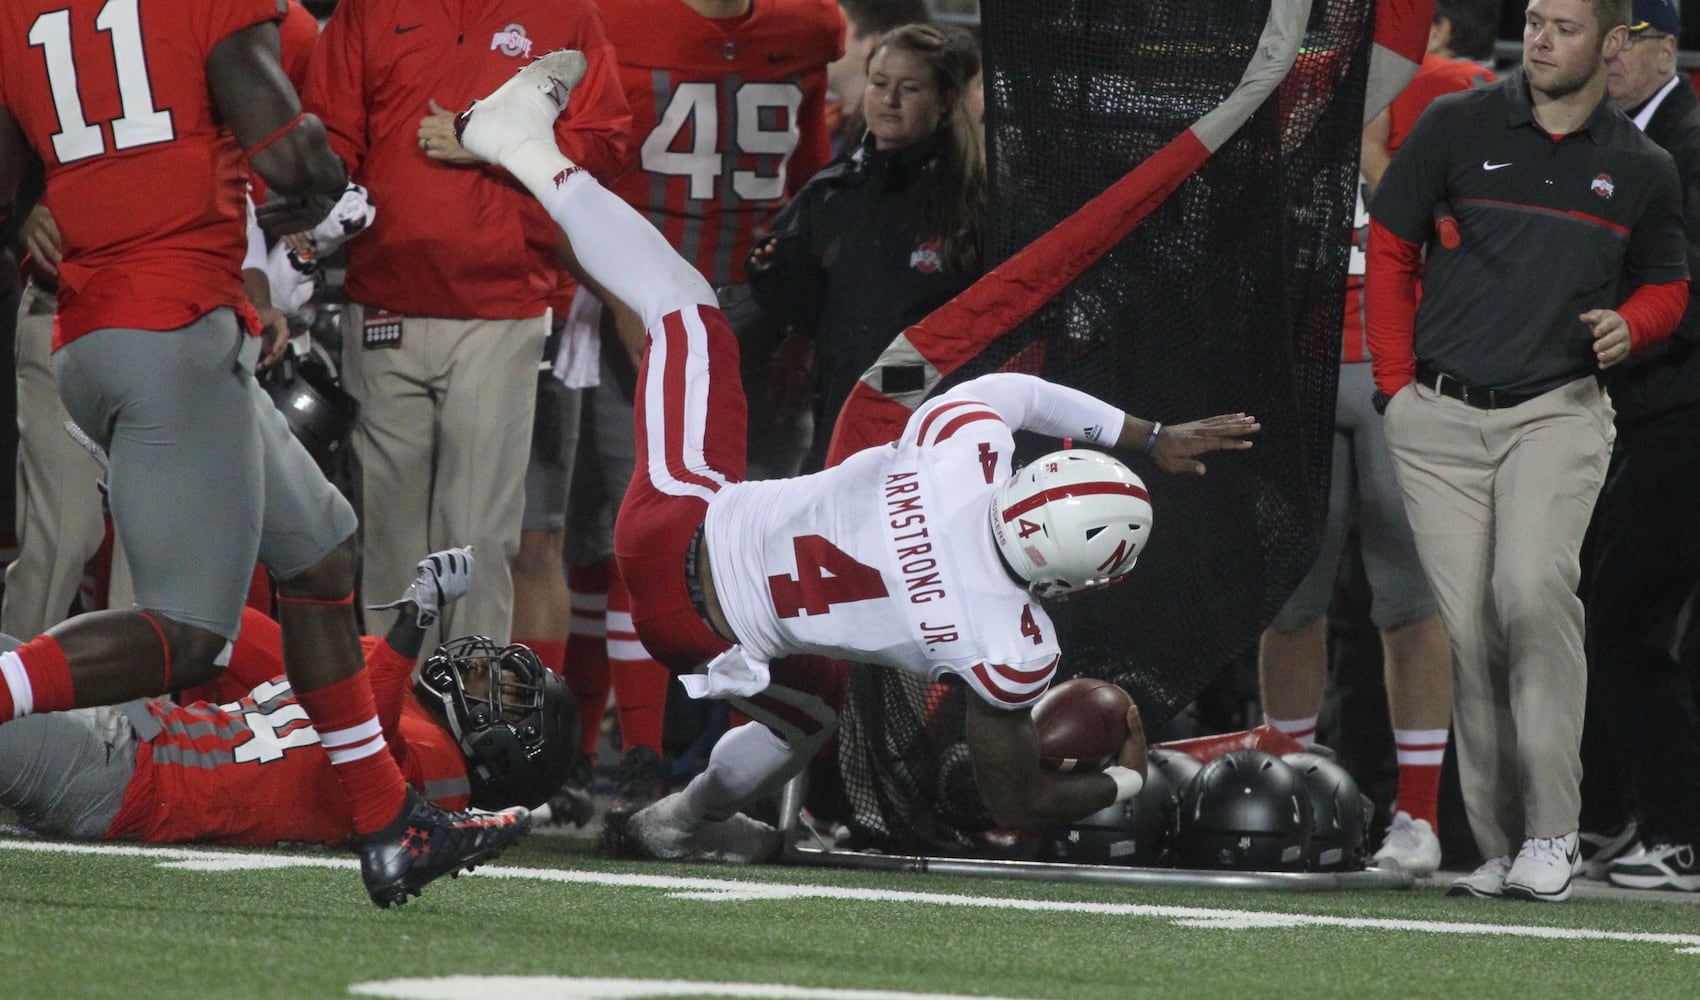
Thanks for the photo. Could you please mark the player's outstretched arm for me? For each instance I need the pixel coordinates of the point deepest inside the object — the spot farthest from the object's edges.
(1176, 447)
(286, 147)
(1018, 792)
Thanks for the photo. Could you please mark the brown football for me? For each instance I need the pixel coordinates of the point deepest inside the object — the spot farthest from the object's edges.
(1082, 724)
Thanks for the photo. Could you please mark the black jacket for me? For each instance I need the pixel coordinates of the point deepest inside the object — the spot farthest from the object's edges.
(1666, 378)
(852, 268)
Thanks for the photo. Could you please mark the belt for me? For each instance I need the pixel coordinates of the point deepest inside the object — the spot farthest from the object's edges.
(693, 582)
(1470, 395)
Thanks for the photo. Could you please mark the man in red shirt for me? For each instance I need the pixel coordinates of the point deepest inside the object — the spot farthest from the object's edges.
(449, 288)
(237, 762)
(148, 116)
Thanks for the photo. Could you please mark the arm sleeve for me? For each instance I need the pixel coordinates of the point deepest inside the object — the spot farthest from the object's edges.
(336, 85)
(814, 144)
(1029, 403)
(598, 124)
(1390, 300)
(390, 673)
(1653, 311)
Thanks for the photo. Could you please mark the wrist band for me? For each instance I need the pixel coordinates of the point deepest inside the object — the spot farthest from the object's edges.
(1151, 442)
(287, 127)
(1128, 782)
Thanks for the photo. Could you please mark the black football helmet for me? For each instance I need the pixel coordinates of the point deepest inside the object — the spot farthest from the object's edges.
(320, 413)
(1138, 832)
(1339, 813)
(1246, 810)
(519, 735)
(1177, 766)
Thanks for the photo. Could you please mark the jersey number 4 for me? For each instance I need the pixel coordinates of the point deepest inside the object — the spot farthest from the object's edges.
(141, 124)
(697, 106)
(825, 576)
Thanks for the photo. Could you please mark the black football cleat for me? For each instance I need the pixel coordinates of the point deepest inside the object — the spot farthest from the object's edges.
(426, 842)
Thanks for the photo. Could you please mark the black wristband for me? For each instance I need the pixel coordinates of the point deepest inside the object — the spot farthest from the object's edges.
(1380, 401)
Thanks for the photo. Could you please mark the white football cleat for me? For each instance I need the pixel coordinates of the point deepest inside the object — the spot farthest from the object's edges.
(522, 110)
(1411, 844)
(666, 831)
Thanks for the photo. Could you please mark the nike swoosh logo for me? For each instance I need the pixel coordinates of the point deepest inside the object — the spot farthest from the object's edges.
(412, 27)
(1490, 165)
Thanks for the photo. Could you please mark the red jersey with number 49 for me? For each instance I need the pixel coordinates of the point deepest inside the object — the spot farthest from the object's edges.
(728, 118)
(888, 557)
(146, 187)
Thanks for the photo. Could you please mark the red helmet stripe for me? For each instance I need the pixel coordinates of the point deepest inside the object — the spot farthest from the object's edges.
(1043, 497)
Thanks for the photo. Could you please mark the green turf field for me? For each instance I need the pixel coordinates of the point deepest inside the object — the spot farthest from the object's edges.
(130, 921)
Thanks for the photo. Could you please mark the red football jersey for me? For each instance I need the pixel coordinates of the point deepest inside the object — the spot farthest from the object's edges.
(251, 771)
(1435, 76)
(146, 186)
(728, 118)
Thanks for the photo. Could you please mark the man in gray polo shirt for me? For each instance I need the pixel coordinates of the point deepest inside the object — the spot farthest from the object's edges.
(1568, 255)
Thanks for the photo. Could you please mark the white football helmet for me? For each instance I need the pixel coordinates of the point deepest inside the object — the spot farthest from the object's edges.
(1071, 520)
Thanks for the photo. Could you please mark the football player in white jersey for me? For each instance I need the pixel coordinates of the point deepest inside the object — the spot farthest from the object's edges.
(927, 555)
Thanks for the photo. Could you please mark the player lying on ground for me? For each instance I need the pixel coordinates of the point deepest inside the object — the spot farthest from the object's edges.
(236, 761)
(928, 555)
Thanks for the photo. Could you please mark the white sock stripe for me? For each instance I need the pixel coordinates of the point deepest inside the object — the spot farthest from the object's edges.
(664, 349)
(1293, 727)
(1419, 737)
(586, 628)
(621, 621)
(583, 603)
(360, 751)
(1419, 758)
(18, 680)
(627, 651)
(333, 738)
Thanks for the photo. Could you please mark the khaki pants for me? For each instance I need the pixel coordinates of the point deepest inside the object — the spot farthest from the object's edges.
(60, 523)
(441, 452)
(1499, 501)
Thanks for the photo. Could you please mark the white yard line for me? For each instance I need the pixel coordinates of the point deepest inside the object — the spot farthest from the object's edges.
(736, 890)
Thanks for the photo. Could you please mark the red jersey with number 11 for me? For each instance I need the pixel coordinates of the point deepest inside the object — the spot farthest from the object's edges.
(146, 186)
(728, 118)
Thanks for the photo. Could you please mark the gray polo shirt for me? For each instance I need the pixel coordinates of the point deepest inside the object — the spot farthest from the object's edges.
(1549, 229)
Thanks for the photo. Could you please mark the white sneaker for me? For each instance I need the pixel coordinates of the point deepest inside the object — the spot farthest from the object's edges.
(443, 578)
(1411, 845)
(1661, 866)
(1544, 868)
(1485, 882)
(1600, 849)
(523, 109)
(667, 831)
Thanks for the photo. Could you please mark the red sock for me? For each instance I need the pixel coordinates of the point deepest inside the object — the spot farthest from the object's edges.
(586, 665)
(553, 653)
(640, 683)
(1419, 754)
(35, 677)
(347, 720)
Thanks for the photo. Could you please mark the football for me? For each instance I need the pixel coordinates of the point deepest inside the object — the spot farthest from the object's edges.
(1082, 724)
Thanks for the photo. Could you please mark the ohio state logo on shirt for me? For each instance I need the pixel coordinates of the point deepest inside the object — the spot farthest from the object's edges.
(1602, 186)
(926, 258)
(511, 41)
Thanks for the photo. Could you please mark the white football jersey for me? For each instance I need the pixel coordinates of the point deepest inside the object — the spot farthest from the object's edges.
(888, 558)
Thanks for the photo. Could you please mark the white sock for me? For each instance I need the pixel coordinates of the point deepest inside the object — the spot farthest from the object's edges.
(1303, 730)
(617, 247)
(747, 762)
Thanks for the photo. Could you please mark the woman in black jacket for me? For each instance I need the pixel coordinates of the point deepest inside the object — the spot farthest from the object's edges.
(887, 232)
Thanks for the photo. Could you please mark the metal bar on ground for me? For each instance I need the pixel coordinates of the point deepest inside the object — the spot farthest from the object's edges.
(793, 852)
